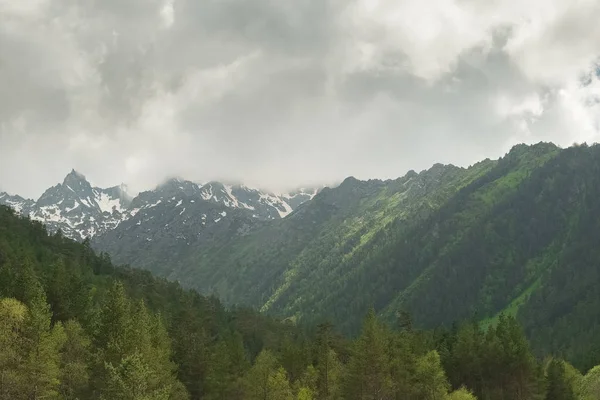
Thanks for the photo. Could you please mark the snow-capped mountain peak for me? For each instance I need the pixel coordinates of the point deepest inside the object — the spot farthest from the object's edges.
(80, 210)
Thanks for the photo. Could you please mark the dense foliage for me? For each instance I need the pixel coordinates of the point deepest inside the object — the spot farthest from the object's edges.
(72, 325)
(75, 326)
(519, 236)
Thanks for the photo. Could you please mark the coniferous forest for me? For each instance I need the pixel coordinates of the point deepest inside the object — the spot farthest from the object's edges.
(75, 326)
(516, 236)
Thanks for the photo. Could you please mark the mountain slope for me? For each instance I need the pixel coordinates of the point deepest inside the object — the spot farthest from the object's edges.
(103, 316)
(519, 235)
(279, 262)
(521, 240)
(445, 244)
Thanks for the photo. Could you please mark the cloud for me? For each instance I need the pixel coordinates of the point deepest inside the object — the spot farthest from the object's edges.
(287, 93)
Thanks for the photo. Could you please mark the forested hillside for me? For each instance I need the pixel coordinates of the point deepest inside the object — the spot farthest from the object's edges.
(272, 267)
(72, 325)
(75, 325)
(517, 235)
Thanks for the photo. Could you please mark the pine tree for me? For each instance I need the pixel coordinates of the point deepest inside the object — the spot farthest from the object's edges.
(131, 379)
(42, 343)
(368, 375)
(113, 335)
(227, 365)
(558, 387)
(329, 368)
(13, 314)
(67, 292)
(267, 380)
(430, 378)
(279, 386)
(574, 378)
(294, 356)
(134, 351)
(308, 381)
(466, 361)
(524, 375)
(590, 384)
(75, 358)
(191, 348)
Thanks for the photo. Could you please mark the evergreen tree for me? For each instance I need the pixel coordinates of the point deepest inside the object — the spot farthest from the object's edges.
(42, 343)
(191, 348)
(13, 314)
(257, 384)
(227, 365)
(430, 378)
(368, 376)
(329, 368)
(75, 359)
(131, 379)
(465, 365)
(308, 381)
(402, 364)
(294, 356)
(279, 386)
(574, 378)
(558, 387)
(329, 381)
(134, 351)
(113, 334)
(523, 376)
(590, 384)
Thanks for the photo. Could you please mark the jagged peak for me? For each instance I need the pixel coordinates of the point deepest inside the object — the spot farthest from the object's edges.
(75, 180)
(75, 175)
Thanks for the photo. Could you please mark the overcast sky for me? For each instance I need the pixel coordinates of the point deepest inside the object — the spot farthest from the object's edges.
(281, 93)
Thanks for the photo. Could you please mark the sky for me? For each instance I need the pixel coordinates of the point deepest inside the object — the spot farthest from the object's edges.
(286, 93)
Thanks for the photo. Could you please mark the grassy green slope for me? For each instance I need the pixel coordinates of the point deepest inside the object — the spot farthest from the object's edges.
(531, 249)
(304, 266)
(471, 257)
(446, 244)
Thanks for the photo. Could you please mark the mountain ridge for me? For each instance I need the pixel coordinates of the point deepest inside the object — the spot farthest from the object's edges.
(80, 210)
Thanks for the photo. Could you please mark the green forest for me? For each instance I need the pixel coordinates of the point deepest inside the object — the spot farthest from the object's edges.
(515, 236)
(75, 326)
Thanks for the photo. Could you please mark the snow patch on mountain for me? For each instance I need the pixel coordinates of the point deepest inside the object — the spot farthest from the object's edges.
(79, 210)
(107, 203)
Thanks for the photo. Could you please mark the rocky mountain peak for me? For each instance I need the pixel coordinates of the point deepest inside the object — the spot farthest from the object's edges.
(73, 177)
(81, 210)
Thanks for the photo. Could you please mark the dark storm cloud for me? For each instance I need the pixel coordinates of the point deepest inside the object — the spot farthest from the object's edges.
(285, 93)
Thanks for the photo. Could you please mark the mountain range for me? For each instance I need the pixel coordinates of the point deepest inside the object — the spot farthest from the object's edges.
(519, 235)
(81, 211)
